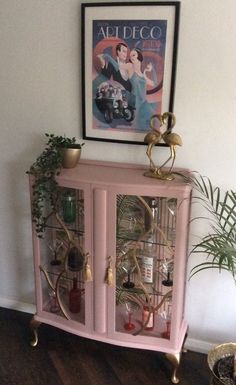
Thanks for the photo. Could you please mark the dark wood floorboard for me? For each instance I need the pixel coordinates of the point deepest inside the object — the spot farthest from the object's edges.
(65, 359)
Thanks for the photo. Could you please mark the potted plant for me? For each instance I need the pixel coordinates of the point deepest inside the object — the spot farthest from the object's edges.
(45, 189)
(68, 149)
(219, 245)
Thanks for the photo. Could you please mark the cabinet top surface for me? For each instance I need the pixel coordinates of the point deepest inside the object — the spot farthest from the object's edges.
(118, 174)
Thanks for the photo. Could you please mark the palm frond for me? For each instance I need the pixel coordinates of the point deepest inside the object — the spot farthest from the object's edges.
(220, 243)
(206, 266)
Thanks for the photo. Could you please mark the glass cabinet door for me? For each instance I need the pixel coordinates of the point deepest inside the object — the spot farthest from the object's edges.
(62, 258)
(145, 248)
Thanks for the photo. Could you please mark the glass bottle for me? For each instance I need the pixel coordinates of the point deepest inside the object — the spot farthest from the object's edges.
(171, 218)
(154, 209)
(153, 204)
(69, 206)
(148, 254)
(147, 258)
(75, 297)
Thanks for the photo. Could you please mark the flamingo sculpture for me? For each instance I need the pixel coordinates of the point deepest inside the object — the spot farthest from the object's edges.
(152, 138)
(170, 138)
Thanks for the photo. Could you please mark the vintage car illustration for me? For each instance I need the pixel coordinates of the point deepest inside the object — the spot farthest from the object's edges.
(115, 103)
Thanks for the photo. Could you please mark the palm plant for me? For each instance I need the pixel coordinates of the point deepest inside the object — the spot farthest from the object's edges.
(219, 245)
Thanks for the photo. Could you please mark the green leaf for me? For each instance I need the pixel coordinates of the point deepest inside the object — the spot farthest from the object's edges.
(220, 243)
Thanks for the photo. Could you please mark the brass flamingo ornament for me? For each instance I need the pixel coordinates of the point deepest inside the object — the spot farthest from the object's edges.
(152, 138)
(171, 139)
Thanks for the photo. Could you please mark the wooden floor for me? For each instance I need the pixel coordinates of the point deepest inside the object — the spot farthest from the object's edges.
(65, 359)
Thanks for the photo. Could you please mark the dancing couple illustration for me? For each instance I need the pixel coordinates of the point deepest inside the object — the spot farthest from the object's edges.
(136, 79)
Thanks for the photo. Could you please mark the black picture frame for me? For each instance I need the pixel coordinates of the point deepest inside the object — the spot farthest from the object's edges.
(119, 110)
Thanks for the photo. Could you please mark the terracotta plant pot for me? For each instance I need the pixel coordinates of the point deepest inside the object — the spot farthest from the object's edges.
(71, 157)
(217, 353)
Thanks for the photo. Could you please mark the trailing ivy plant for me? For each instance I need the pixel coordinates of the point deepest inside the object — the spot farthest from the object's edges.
(219, 245)
(45, 189)
(55, 141)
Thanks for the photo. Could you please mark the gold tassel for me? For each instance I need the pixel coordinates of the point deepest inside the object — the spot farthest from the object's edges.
(109, 275)
(87, 271)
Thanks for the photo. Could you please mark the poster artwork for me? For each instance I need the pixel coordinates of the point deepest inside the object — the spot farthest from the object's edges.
(128, 70)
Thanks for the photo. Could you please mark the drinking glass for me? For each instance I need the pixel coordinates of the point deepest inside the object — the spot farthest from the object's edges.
(168, 271)
(129, 325)
(54, 306)
(54, 248)
(128, 265)
(167, 317)
(171, 207)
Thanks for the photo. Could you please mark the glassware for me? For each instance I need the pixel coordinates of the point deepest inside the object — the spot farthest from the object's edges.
(129, 325)
(154, 209)
(166, 316)
(166, 333)
(128, 265)
(75, 297)
(147, 258)
(148, 254)
(69, 206)
(54, 306)
(168, 271)
(154, 218)
(171, 206)
(55, 248)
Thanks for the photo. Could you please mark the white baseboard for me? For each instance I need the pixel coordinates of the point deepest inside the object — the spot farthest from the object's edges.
(191, 343)
(199, 346)
(17, 305)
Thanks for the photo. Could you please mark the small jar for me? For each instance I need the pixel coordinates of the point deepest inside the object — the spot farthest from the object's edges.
(69, 207)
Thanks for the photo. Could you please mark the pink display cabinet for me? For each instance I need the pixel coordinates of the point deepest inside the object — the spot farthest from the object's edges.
(132, 231)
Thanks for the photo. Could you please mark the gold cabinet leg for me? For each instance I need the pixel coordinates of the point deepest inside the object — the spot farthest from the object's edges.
(175, 361)
(34, 325)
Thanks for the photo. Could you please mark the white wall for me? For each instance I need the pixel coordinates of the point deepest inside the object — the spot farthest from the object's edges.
(40, 92)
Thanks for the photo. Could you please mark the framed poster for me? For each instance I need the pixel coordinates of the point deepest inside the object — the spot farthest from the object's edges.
(129, 55)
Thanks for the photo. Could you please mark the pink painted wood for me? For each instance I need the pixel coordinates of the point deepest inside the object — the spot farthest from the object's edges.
(101, 182)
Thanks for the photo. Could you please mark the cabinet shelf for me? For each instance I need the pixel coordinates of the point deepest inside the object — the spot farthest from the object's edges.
(128, 228)
(151, 291)
(136, 239)
(71, 228)
(64, 277)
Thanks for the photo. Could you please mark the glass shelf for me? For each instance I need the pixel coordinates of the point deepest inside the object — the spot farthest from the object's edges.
(133, 238)
(70, 227)
(139, 291)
